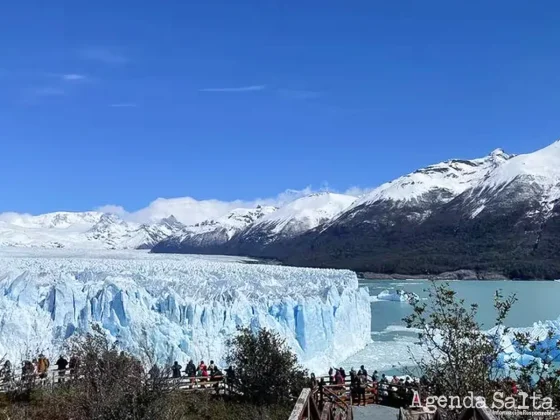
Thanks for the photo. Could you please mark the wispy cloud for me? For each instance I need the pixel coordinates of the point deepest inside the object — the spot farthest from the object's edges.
(74, 77)
(252, 88)
(47, 91)
(103, 55)
(299, 94)
(123, 105)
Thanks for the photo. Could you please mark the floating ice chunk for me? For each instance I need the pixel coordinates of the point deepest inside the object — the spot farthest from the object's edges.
(398, 295)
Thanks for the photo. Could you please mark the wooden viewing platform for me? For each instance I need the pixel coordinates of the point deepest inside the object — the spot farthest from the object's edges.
(56, 377)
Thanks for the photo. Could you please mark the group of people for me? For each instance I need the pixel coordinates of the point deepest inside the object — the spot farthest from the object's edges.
(380, 386)
(38, 368)
(210, 371)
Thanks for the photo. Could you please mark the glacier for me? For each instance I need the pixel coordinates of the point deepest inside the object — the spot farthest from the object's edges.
(163, 307)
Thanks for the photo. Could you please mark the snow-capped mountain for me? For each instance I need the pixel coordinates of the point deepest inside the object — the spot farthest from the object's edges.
(291, 220)
(441, 182)
(499, 213)
(246, 232)
(209, 236)
(83, 230)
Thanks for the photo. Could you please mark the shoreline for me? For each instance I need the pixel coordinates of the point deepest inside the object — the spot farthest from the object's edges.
(463, 275)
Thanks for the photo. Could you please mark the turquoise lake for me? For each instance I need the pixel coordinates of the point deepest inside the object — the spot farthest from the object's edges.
(392, 342)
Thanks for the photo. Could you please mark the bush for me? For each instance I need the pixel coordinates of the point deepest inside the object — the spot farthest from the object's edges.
(266, 371)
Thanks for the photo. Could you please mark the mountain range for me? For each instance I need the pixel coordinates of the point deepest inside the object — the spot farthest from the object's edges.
(496, 215)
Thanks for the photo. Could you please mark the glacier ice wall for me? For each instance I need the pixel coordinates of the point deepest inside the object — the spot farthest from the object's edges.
(176, 307)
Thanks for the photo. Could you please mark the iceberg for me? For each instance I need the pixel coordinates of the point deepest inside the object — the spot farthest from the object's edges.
(163, 307)
(398, 295)
(542, 349)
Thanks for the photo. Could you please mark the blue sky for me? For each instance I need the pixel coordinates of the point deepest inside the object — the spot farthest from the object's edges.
(123, 102)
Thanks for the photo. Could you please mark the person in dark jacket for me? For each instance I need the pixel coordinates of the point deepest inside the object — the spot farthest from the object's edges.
(363, 369)
(176, 370)
(61, 364)
(74, 365)
(190, 370)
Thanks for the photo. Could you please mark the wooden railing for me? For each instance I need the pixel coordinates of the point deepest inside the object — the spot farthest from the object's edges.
(57, 377)
(320, 403)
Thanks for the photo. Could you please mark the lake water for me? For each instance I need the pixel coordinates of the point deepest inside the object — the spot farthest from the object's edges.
(392, 342)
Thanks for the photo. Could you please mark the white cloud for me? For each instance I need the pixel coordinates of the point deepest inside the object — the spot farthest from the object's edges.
(112, 208)
(12, 217)
(357, 191)
(187, 210)
(252, 88)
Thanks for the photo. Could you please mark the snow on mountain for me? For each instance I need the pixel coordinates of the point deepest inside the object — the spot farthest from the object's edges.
(210, 235)
(300, 215)
(230, 224)
(442, 181)
(82, 230)
(61, 219)
(540, 168)
(176, 307)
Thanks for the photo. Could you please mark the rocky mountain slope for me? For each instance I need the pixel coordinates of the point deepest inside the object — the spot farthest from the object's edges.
(211, 236)
(498, 214)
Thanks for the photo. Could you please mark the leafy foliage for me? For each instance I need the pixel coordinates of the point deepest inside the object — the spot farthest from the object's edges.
(266, 371)
(460, 358)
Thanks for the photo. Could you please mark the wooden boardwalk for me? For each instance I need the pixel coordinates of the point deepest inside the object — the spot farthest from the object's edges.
(57, 377)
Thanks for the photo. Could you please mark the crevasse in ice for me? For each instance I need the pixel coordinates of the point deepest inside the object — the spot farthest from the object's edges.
(167, 308)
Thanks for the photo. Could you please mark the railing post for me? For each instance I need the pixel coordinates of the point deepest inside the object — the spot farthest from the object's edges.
(321, 400)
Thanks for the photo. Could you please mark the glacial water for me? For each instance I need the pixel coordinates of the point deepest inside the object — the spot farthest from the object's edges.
(392, 342)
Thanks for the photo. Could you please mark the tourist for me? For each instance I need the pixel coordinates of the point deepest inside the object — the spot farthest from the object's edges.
(343, 373)
(362, 385)
(375, 376)
(384, 379)
(363, 369)
(353, 387)
(331, 376)
(42, 366)
(176, 370)
(190, 370)
(61, 364)
(395, 380)
(201, 367)
(216, 374)
(230, 375)
(27, 370)
(313, 381)
(6, 372)
(514, 389)
(154, 372)
(211, 367)
(74, 365)
(338, 378)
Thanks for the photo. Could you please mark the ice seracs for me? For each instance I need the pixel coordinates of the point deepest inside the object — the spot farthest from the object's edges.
(176, 307)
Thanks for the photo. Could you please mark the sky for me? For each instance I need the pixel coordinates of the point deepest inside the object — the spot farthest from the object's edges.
(121, 103)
